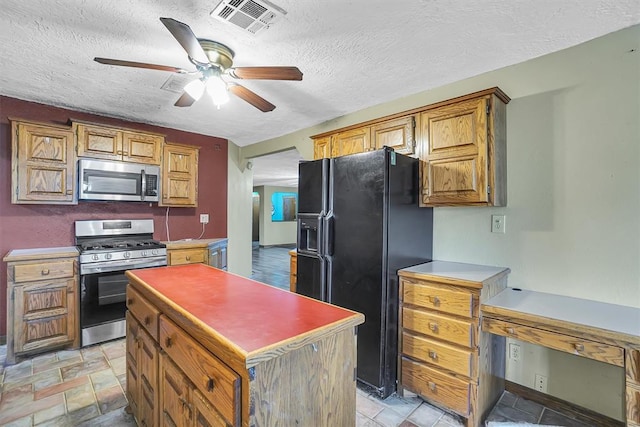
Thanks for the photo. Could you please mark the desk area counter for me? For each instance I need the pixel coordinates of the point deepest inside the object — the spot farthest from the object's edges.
(270, 351)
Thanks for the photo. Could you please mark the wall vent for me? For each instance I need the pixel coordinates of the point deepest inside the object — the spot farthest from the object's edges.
(249, 15)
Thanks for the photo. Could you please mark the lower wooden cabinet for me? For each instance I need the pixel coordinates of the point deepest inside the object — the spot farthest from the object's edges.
(443, 355)
(142, 373)
(293, 270)
(204, 251)
(42, 300)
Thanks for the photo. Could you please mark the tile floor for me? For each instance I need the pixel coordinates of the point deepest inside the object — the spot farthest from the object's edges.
(86, 387)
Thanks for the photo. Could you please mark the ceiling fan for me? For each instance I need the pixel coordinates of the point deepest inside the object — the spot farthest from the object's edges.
(213, 62)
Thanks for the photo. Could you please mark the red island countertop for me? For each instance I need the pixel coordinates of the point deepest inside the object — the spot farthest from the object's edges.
(251, 317)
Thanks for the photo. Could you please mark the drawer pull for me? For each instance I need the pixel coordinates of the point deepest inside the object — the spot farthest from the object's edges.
(435, 300)
(168, 342)
(130, 301)
(433, 354)
(147, 320)
(432, 386)
(45, 272)
(578, 346)
(210, 385)
(188, 258)
(433, 326)
(511, 331)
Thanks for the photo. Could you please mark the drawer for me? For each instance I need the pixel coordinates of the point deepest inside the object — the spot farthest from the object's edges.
(44, 270)
(440, 326)
(431, 296)
(218, 383)
(580, 347)
(441, 355)
(187, 256)
(448, 391)
(144, 311)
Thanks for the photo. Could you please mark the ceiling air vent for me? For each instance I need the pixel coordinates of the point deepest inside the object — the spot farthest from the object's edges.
(250, 15)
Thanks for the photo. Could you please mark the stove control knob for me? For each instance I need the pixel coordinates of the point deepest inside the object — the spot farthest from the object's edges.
(143, 253)
(126, 254)
(154, 252)
(95, 257)
(107, 256)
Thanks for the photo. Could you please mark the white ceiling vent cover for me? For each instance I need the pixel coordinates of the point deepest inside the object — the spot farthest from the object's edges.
(250, 15)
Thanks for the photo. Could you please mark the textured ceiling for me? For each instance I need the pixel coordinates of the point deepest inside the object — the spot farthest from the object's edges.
(354, 54)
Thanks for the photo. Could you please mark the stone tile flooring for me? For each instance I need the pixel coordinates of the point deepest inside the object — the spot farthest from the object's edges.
(86, 388)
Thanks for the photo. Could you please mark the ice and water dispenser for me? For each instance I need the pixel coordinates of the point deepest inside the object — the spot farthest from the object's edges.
(309, 233)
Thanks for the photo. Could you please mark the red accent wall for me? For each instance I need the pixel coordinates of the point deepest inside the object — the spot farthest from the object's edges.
(40, 226)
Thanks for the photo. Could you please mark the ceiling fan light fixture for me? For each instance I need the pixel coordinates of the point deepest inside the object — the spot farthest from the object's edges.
(217, 90)
(195, 89)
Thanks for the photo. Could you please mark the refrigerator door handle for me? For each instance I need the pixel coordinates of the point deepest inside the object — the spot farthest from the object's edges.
(328, 235)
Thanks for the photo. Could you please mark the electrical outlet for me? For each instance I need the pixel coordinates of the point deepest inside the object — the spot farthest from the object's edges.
(514, 351)
(498, 224)
(204, 218)
(541, 383)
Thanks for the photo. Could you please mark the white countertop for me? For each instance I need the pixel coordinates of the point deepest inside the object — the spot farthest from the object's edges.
(454, 270)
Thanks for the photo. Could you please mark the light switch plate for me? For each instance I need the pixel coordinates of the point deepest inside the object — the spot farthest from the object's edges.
(498, 224)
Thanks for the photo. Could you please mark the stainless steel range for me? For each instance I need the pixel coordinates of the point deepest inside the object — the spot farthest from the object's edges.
(107, 249)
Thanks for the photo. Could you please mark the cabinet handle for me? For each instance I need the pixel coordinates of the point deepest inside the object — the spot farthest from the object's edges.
(129, 301)
(69, 192)
(188, 258)
(433, 354)
(168, 342)
(119, 152)
(435, 300)
(511, 331)
(432, 386)
(147, 320)
(45, 272)
(210, 385)
(578, 346)
(433, 326)
(125, 153)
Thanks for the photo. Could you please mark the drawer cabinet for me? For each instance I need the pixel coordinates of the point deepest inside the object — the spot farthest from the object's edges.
(187, 256)
(218, 254)
(443, 355)
(41, 301)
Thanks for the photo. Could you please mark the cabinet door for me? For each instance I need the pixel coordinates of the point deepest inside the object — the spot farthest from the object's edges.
(99, 142)
(322, 148)
(174, 395)
(455, 153)
(204, 414)
(43, 164)
(351, 142)
(398, 134)
(179, 176)
(148, 371)
(44, 315)
(141, 148)
(133, 387)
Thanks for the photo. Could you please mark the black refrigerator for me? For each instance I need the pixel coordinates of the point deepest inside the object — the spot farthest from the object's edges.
(358, 224)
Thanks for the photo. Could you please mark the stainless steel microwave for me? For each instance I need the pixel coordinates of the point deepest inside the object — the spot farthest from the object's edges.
(120, 181)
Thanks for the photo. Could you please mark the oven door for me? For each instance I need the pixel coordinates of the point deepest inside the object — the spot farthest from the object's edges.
(103, 306)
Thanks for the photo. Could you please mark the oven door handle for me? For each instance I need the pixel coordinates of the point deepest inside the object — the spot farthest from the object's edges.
(122, 265)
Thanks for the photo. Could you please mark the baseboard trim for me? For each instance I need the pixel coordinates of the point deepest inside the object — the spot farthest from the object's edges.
(286, 246)
(567, 409)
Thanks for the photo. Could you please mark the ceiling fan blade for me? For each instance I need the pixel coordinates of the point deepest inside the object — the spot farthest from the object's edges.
(185, 100)
(251, 97)
(266, 73)
(182, 32)
(108, 61)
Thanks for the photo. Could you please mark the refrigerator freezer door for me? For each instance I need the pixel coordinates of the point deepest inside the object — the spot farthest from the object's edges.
(358, 275)
(313, 178)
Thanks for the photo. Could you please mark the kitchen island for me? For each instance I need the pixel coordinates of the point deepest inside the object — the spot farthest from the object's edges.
(207, 347)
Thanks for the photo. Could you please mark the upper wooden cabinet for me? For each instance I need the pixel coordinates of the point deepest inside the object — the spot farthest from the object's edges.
(464, 151)
(43, 163)
(397, 133)
(104, 142)
(351, 142)
(179, 175)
